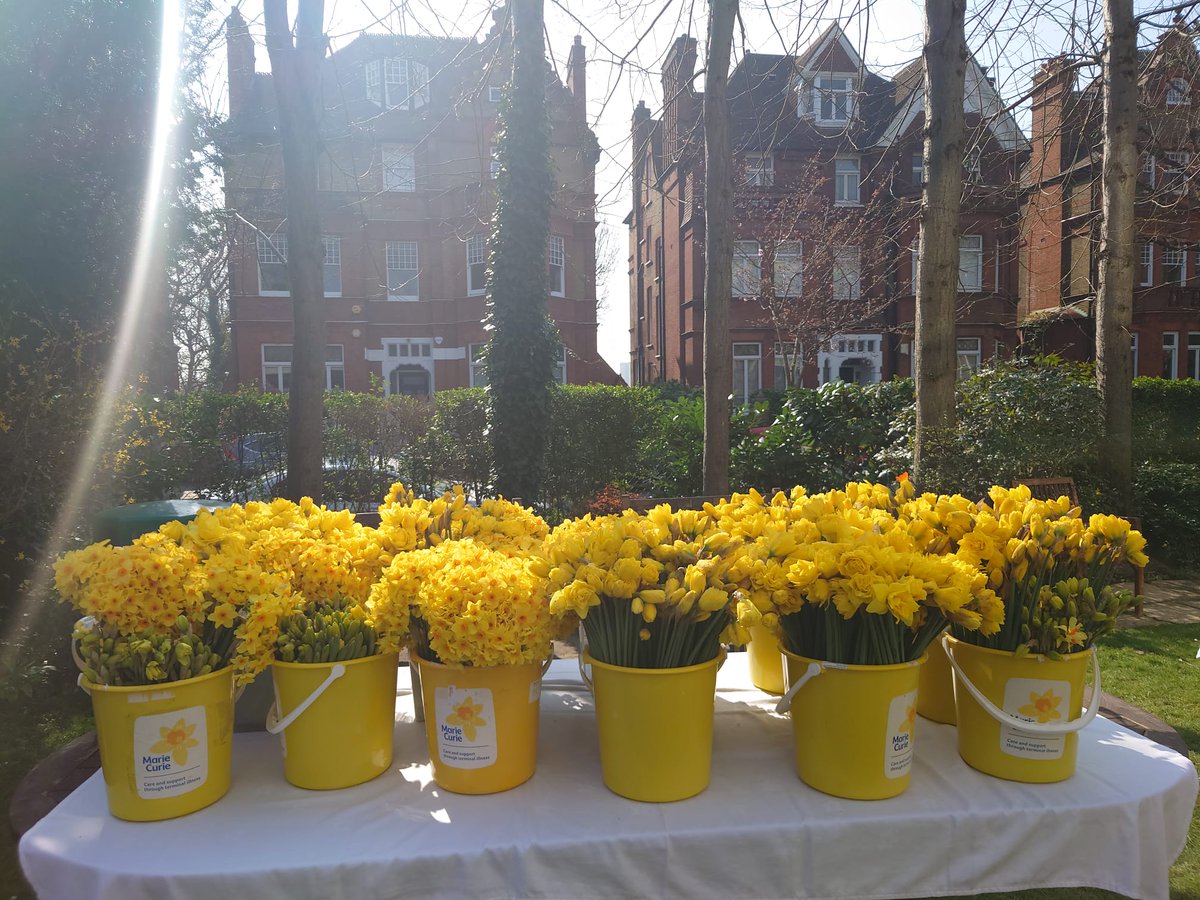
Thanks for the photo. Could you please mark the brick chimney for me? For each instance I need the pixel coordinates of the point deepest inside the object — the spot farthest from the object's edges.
(577, 75)
(239, 49)
(1051, 88)
(678, 70)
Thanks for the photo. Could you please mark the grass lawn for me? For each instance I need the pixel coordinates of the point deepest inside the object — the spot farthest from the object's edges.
(1154, 668)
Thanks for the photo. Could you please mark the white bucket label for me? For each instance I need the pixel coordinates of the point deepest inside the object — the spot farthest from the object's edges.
(1040, 701)
(466, 724)
(902, 719)
(170, 752)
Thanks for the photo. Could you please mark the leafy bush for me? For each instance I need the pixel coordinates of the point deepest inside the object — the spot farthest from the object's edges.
(826, 437)
(1166, 420)
(1167, 498)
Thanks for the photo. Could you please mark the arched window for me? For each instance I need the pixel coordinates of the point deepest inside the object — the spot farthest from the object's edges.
(411, 380)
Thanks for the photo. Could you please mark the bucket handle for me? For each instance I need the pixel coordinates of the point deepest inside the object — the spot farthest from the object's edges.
(276, 724)
(1012, 721)
(814, 669)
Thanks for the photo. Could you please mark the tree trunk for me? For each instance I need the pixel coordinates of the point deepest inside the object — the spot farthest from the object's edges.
(935, 356)
(296, 73)
(718, 247)
(1114, 300)
(520, 354)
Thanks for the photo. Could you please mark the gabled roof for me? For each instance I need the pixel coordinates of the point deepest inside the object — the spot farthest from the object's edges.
(979, 96)
(810, 60)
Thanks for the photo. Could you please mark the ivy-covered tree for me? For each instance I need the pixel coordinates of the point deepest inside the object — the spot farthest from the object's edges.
(521, 349)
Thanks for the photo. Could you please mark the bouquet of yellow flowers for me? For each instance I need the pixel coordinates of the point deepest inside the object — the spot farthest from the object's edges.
(653, 591)
(466, 604)
(841, 579)
(408, 522)
(155, 611)
(1054, 571)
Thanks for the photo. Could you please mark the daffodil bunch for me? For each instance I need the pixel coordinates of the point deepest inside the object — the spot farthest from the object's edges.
(156, 611)
(653, 591)
(464, 604)
(408, 522)
(1054, 571)
(838, 576)
(325, 631)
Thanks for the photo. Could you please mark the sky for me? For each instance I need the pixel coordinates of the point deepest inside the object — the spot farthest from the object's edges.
(626, 41)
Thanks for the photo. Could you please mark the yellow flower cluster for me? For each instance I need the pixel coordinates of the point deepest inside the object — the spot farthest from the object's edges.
(408, 522)
(673, 571)
(470, 605)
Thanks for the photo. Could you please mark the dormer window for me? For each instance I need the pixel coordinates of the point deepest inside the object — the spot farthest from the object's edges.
(397, 83)
(1177, 92)
(833, 99)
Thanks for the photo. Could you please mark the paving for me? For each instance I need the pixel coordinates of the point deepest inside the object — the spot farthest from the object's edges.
(1167, 602)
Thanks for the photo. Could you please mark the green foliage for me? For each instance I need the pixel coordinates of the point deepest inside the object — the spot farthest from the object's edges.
(672, 452)
(1166, 497)
(1166, 420)
(825, 437)
(519, 358)
(455, 449)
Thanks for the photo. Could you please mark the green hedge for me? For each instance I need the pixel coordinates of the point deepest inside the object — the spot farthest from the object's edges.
(1166, 420)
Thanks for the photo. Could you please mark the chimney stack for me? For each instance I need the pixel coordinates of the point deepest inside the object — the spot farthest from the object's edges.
(577, 75)
(239, 50)
(1051, 88)
(678, 70)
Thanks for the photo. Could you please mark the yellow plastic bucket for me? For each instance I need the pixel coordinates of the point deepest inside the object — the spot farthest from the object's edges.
(766, 662)
(935, 692)
(165, 749)
(481, 724)
(1018, 716)
(655, 728)
(335, 720)
(853, 725)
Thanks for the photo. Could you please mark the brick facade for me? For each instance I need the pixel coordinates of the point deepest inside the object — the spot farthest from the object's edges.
(406, 192)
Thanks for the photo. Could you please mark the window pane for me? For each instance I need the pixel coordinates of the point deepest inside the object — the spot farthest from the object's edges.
(789, 269)
(335, 378)
(399, 169)
(970, 262)
(846, 274)
(333, 264)
(747, 268)
(333, 353)
(277, 353)
(403, 271)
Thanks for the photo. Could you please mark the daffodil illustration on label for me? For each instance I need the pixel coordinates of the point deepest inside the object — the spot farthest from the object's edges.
(170, 752)
(1039, 702)
(902, 721)
(466, 724)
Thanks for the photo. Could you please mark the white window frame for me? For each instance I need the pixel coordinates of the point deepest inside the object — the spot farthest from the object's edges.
(495, 93)
(332, 245)
(1133, 349)
(747, 269)
(399, 352)
(272, 251)
(1147, 261)
(1150, 168)
(1193, 351)
(823, 88)
(973, 165)
(556, 264)
(915, 252)
(1178, 92)
(1172, 256)
(560, 364)
(395, 255)
(847, 181)
(788, 280)
(970, 247)
(1170, 344)
(747, 378)
(399, 168)
(394, 82)
(783, 355)
(1175, 175)
(917, 170)
(760, 169)
(475, 366)
(277, 369)
(969, 355)
(846, 275)
(476, 248)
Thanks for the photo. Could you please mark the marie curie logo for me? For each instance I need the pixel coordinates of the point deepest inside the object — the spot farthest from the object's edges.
(466, 727)
(170, 752)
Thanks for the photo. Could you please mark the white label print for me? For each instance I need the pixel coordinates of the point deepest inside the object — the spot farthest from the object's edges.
(1040, 701)
(902, 719)
(170, 752)
(466, 724)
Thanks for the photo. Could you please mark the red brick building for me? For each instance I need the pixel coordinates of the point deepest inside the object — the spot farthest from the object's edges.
(1060, 217)
(406, 190)
(827, 196)
(829, 161)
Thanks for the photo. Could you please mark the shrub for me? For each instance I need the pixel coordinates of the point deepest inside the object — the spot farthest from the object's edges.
(1166, 420)
(1167, 498)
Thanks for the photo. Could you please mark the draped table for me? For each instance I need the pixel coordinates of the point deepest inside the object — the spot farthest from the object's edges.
(757, 831)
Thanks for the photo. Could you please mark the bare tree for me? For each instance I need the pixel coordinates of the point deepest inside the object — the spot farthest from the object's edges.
(718, 246)
(296, 74)
(1114, 299)
(945, 57)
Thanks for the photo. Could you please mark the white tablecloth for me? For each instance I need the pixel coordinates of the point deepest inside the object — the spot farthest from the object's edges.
(756, 832)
